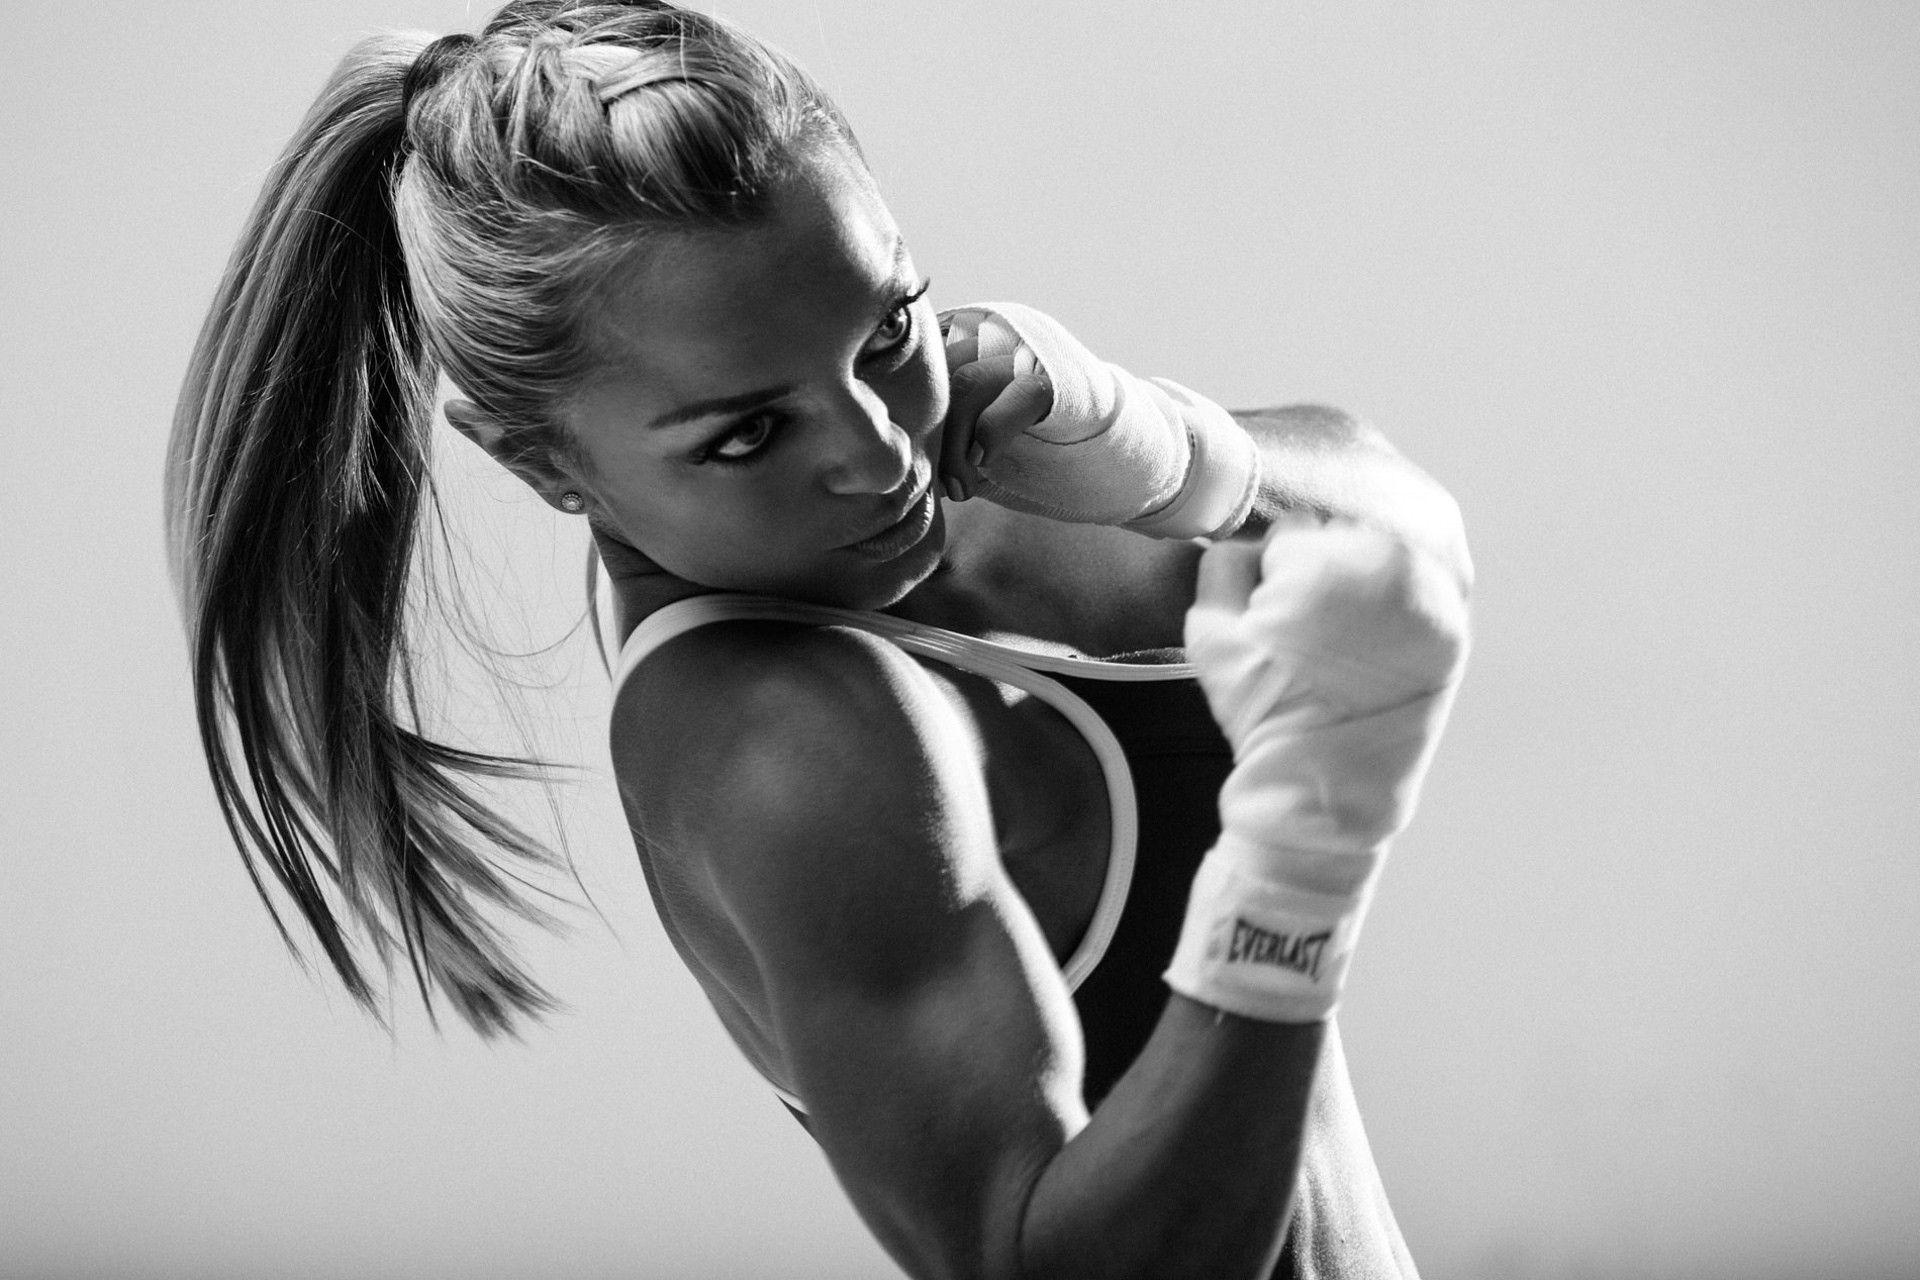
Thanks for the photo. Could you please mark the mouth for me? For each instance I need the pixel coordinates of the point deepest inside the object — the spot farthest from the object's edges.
(906, 532)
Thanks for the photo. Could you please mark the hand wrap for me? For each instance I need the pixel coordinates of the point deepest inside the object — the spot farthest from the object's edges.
(1330, 656)
(1110, 448)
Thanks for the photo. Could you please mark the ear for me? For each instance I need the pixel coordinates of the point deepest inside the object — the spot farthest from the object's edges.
(540, 469)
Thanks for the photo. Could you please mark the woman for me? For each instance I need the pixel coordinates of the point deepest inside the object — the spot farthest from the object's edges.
(927, 861)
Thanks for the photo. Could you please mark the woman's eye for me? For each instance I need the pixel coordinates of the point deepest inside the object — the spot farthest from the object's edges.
(896, 331)
(893, 332)
(740, 442)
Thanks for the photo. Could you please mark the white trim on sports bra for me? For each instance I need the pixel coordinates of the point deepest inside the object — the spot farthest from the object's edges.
(1008, 664)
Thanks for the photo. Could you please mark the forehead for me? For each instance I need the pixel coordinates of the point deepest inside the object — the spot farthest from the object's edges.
(696, 312)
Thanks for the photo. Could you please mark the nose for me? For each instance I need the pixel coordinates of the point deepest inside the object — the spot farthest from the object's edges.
(867, 452)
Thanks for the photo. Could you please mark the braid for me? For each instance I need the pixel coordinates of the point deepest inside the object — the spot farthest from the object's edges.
(540, 15)
(615, 70)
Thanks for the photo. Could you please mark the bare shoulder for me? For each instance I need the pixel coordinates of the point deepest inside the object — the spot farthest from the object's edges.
(805, 776)
(758, 699)
(828, 802)
(755, 686)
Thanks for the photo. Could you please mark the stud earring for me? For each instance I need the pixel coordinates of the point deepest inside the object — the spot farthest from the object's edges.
(572, 503)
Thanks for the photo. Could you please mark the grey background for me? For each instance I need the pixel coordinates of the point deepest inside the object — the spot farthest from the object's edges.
(1639, 282)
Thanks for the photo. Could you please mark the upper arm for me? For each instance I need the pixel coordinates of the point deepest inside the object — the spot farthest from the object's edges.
(1333, 463)
(832, 806)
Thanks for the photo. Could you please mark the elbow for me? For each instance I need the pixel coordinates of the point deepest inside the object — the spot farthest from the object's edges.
(1420, 510)
(1336, 463)
(1426, 514)
(1448, 537)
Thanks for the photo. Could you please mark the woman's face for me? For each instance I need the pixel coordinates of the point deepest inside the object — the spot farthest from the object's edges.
(767, 414)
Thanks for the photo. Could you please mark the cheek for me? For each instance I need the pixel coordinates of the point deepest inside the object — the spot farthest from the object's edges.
(916, 396)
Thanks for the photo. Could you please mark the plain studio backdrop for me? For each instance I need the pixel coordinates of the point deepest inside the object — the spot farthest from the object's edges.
(1639, 282)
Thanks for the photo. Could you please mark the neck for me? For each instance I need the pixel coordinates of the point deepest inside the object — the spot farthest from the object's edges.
(1083, 589)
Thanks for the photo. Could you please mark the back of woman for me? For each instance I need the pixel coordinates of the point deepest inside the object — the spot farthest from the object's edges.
(1042, 946)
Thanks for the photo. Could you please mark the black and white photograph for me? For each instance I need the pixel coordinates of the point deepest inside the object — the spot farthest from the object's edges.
(835, 641)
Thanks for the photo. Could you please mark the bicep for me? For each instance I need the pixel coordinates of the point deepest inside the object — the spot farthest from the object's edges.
(845, 832)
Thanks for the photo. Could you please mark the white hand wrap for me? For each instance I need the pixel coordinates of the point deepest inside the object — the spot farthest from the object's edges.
(1332, 678)
(1113, 449)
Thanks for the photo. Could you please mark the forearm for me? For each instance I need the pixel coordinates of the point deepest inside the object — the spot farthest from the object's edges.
(1328, 654)
(1330, 463)
(1189, 1165)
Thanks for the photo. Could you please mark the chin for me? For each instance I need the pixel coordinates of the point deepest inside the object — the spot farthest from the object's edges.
(882, 584)
(884, 592)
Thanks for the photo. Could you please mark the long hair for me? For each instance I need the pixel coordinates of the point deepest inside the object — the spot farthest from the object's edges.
(445, 206)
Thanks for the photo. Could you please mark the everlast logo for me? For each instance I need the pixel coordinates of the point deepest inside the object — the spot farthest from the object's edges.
(1300, 952)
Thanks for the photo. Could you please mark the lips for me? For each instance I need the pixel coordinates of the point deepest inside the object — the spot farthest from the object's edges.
(906, 531)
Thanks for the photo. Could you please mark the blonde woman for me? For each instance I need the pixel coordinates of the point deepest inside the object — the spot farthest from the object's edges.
(1036, 927)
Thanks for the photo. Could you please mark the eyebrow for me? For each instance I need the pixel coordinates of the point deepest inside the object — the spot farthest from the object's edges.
(718, 405)
(765, 395)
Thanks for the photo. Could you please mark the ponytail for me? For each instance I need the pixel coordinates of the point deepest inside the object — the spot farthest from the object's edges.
(296, 477)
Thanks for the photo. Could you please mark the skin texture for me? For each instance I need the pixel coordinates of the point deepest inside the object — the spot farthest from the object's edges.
(874, 866)
(810, 303)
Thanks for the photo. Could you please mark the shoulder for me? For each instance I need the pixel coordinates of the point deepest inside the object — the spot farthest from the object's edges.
(826, 802)
(755, 688)
(811, 779)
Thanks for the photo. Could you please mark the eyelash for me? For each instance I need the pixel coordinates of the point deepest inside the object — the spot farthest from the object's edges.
(710, 451)
(902, 307)
(773, 420)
